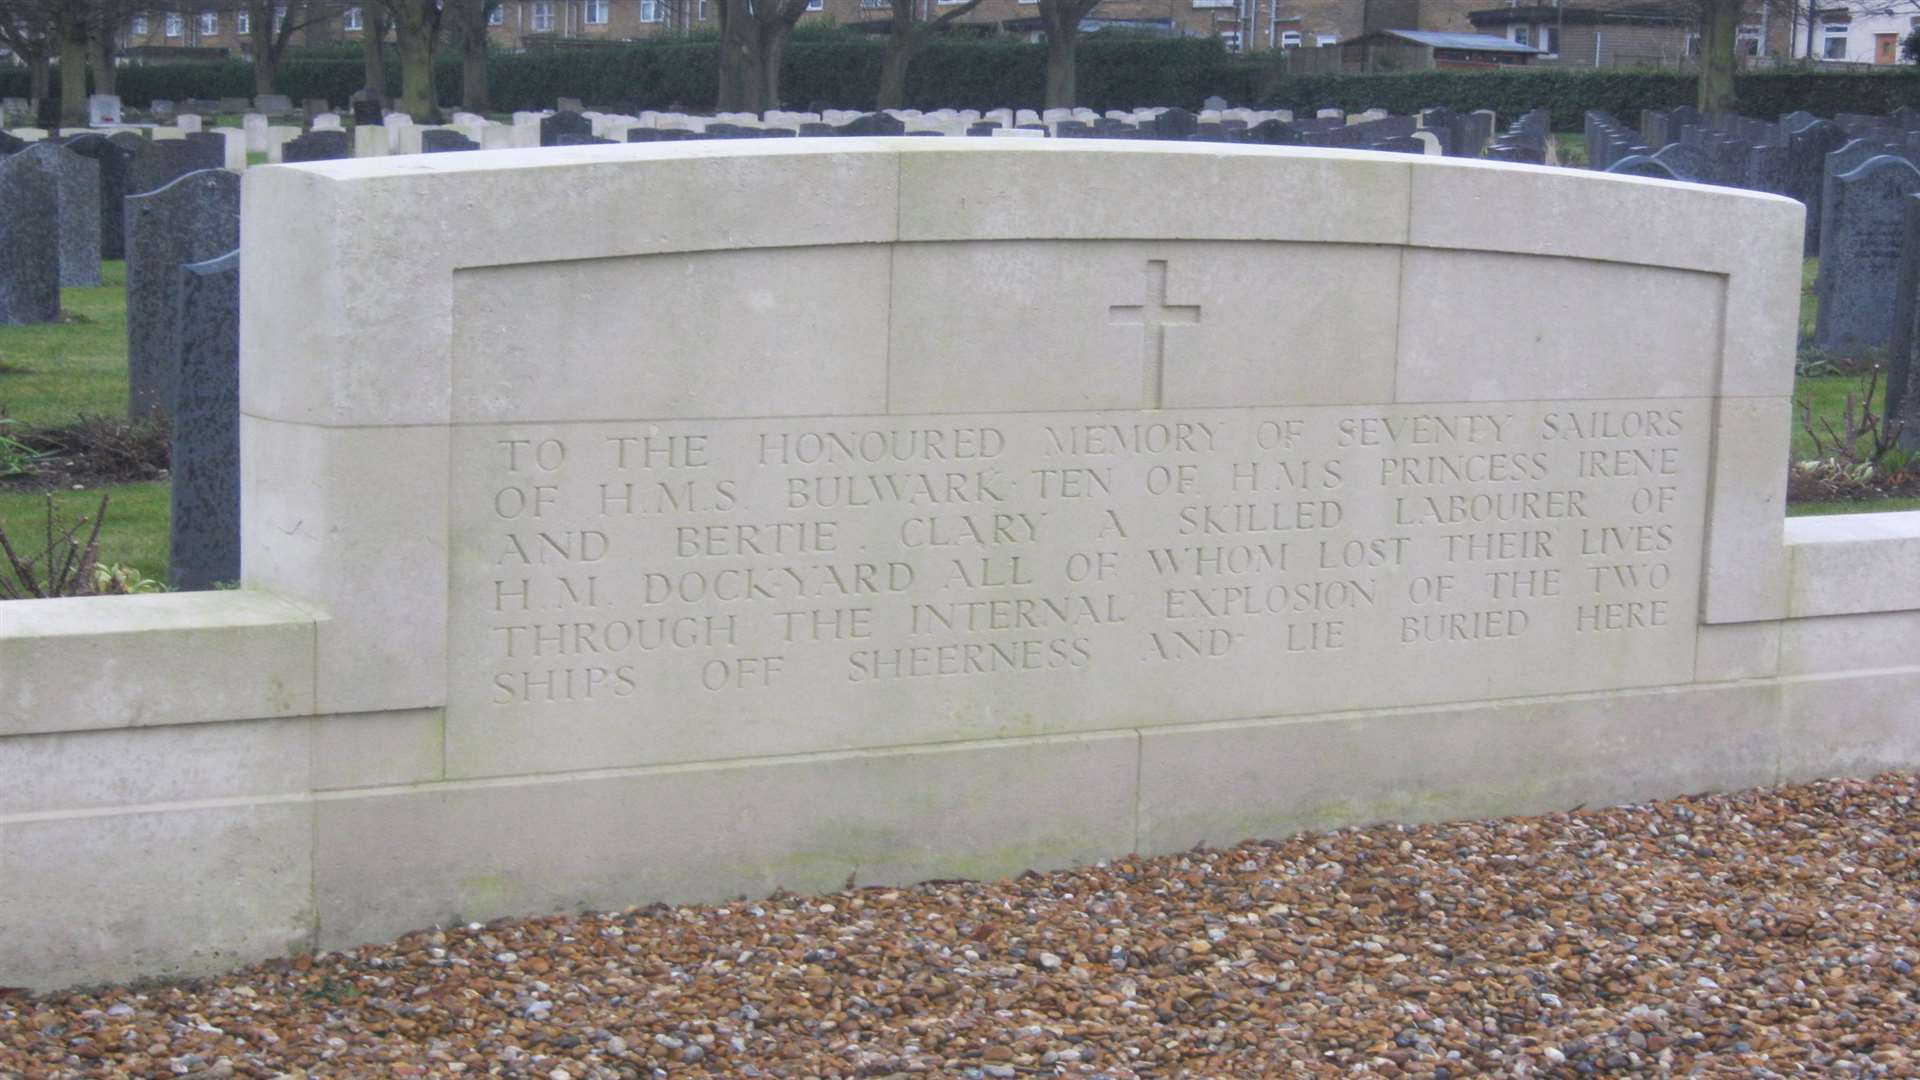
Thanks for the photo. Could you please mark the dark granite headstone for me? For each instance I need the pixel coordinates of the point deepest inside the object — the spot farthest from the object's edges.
(193, 219)
(10, 144)
(1274, 133)
(571, 139)
(205, 529)
(29, 242)
(273, 104)
(1683, 161)
(1767, 169)
(441, 141)
(1400, 144)
(568, 104)
(316, 146)
(1855, 153)
(1515, 152)
(1860, 249)
(112, 157)
(313, 107)
(809, 129)
(1175, 124)
(76, 182)
(368, 108)
(1643, 165)
(1903, 397)
(563, 123)
(162, 161)
(873, 124)
(1807, 150)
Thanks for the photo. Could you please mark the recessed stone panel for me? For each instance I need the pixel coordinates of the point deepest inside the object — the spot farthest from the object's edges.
(657, 590)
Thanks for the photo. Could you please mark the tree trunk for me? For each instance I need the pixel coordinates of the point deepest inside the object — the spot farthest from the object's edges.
(417, 98)
(893, 65)
(73, 75)
(39, 78)
(740, 65)
(100, 59)
(266, 68)
(773, 50)
(1719, 26)
(474, 93)
(1060, 75)
(374, 52)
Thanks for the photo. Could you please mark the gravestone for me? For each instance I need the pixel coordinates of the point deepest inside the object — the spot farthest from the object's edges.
(563, 123)
(871, 124)
(103, 109)
(193, 219)
(113, 157)
(11, 144)
(789, 531)
(274, 104)
(1175, 123)
(161, 110)
(1684, 162)
(29, 242)
(573, 139)
(205, 514)
(319, 145)
(160, 162)
(1807, 148)
(76, 183)
(1903, 397)
(1855, 153)
(440, 141)
(1643, 165)
(1861, 243)
(368, 108)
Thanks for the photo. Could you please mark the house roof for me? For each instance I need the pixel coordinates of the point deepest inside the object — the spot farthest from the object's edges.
(1437, 40)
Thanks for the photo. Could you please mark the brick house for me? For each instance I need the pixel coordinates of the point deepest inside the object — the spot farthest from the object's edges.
(1627, 33)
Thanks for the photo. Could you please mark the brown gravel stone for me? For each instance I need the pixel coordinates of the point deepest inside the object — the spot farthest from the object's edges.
(1770, 933)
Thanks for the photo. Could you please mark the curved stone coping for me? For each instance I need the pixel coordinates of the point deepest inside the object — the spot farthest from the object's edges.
(1847, 564)
(99, 662)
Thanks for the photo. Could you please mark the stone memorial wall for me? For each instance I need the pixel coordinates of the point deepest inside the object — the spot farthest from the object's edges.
(944, 508)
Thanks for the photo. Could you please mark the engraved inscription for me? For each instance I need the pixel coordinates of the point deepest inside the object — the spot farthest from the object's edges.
(683, 589)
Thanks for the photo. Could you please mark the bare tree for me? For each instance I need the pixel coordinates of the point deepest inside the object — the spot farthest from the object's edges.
(1061, 18)
(907, 37)
(416, 28)
(374, 25)
(107, 17)
(26, 29)
(271, 26)
(469, 19)
(752, 44)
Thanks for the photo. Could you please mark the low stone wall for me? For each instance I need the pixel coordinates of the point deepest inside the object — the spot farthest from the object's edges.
(352, 746)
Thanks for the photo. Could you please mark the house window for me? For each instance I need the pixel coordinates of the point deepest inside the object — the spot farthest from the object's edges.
(1520, 34)
(1325, 40)
(138, 28)
(498, 16)
(543, 15)
(176, 24)
(1836, 41)
(1290, 39)
(1550, 40)
(816, 5)
(243, 21)
(209, 23)
(1231, 39)
(703, 11)
(352, 19)
(596, 12)
(652, 11)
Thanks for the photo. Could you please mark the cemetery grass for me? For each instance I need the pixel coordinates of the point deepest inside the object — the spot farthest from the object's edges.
(135, 534)
(55, 372)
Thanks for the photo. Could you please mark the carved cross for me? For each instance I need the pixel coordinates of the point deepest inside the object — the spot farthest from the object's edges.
(1153, 317)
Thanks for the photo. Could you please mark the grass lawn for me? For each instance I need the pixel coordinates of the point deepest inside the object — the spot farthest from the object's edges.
(135, 533)
(51, 373)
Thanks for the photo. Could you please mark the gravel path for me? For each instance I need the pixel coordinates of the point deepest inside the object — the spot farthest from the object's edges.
(1769, 933)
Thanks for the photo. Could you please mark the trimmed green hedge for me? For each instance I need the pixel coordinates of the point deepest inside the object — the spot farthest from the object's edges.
(843, 71)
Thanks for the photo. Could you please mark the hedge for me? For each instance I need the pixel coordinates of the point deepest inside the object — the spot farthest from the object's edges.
(843, 71)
